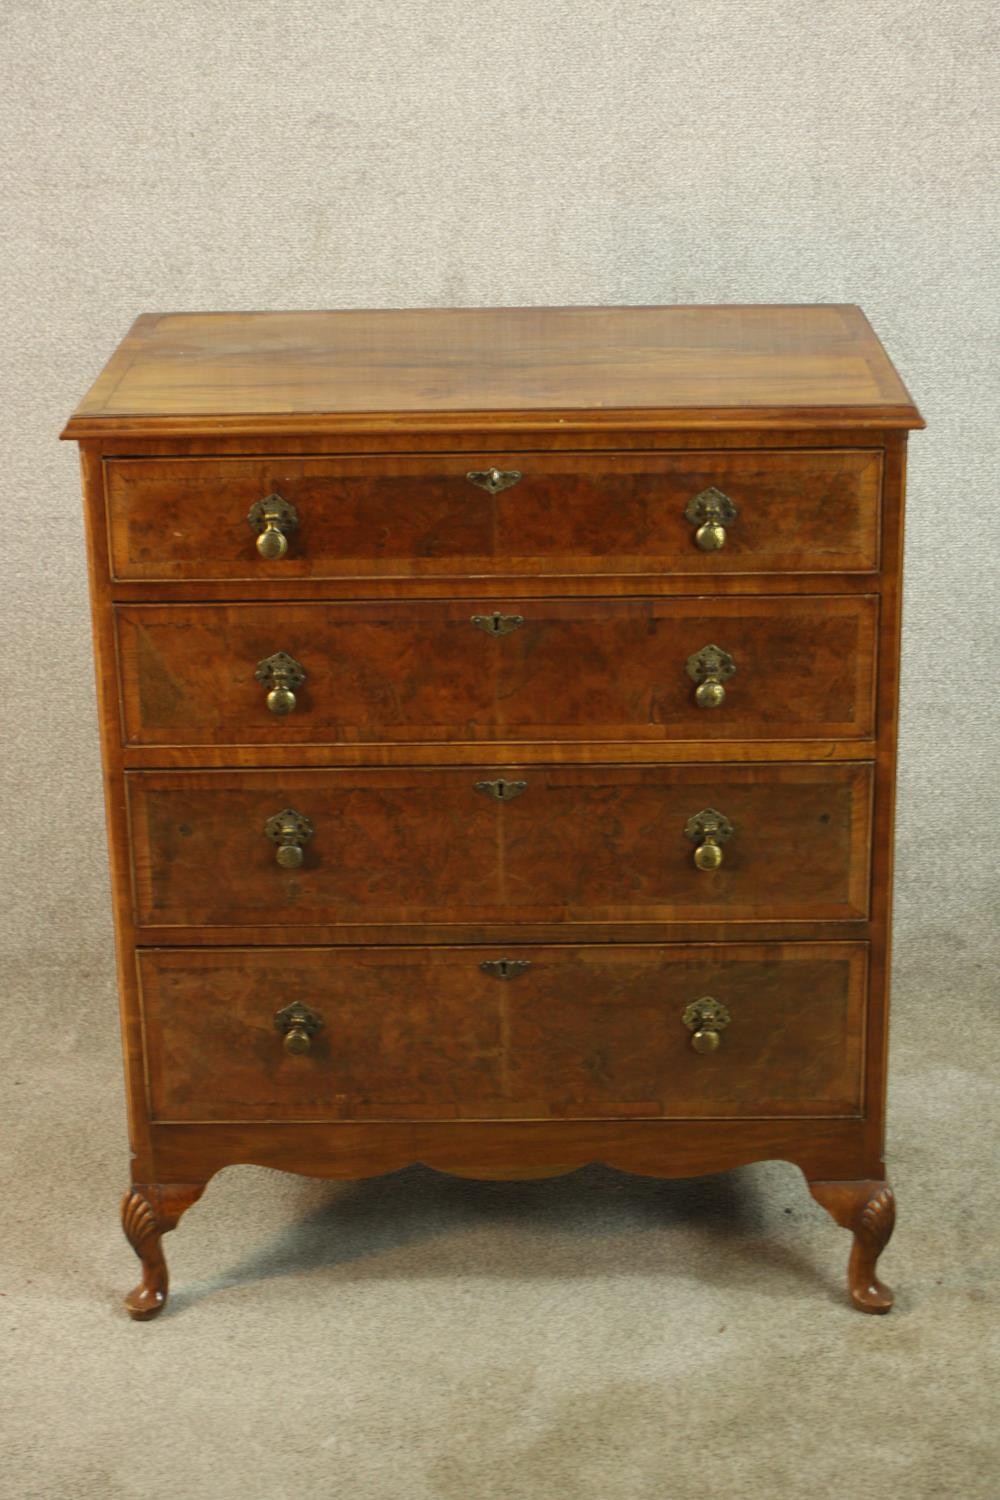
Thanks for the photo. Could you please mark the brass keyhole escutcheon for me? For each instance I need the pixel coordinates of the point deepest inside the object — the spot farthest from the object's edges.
(710, 668)
(711, 512)
(505, 968)
(709, 830)
(289, 830)
(281, 674)
(494, 480)
(498, 624)
(299, 1025)
(705, 1018)
(502, 790)
(273, 518)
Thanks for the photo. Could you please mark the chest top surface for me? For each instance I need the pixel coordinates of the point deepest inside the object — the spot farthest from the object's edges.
(229, 372)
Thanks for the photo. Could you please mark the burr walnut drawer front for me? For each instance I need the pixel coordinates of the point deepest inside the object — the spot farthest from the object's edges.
(719, 1030)
(452, 516)
(288, 674)
(274, 850)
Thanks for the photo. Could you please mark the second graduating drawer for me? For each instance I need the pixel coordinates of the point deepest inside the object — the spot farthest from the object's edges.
(392, 672)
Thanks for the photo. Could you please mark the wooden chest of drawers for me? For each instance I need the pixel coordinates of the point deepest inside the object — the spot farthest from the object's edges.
(498, 712)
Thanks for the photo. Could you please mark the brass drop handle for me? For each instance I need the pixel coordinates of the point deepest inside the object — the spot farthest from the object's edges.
(299, 1024)
(281, 674)
(710, 668)
(273, 518)
(289, 830)
(711, 511)
(708, 829)
(705, 1018)
(494, 480)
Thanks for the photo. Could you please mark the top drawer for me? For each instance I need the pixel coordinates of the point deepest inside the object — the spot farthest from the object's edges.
(568, 514)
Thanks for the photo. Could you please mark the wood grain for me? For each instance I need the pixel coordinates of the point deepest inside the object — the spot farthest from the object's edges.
(573, 514)
(580, 845)
(573, 670)
(868, 1210)
(486, 753)
(514, 1149)
(426, 1034)
(256, 373)
(883, 842)
(576, 436)
(797, 413)
(148, 1212)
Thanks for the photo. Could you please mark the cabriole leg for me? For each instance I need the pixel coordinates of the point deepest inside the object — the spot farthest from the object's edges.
(868, 1209)
(148, 1212)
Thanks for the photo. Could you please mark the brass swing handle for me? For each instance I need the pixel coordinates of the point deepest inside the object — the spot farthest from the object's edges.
(711, 511)
(710, 668)
(709, 830)
(299, 1025)
(273, 518)
(289, 831)
(281, 674)
(705, 1018)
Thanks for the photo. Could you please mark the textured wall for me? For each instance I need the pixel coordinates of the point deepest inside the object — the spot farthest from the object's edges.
(316, 153)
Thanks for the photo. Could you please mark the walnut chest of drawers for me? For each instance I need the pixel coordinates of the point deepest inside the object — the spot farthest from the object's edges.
(499, 724)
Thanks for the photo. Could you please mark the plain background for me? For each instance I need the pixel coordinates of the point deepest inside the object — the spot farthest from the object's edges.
(303, 154)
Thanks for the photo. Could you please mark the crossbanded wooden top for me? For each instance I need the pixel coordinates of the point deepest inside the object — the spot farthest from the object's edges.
(192, 374)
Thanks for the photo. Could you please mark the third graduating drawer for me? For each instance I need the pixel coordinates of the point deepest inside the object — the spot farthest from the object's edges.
(277, 852)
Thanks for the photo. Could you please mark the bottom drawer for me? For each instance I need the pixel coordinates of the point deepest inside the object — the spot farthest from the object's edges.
(458, 1034)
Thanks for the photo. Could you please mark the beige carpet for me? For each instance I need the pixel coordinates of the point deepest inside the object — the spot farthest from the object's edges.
(595, 1338)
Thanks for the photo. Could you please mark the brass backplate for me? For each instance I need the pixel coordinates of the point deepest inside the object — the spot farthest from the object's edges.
(708, 824)
(706, 1014)
(297, 1016)
(275, 511)
(280, 670)
(710, 661)
(710, 505)
(289, 826)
